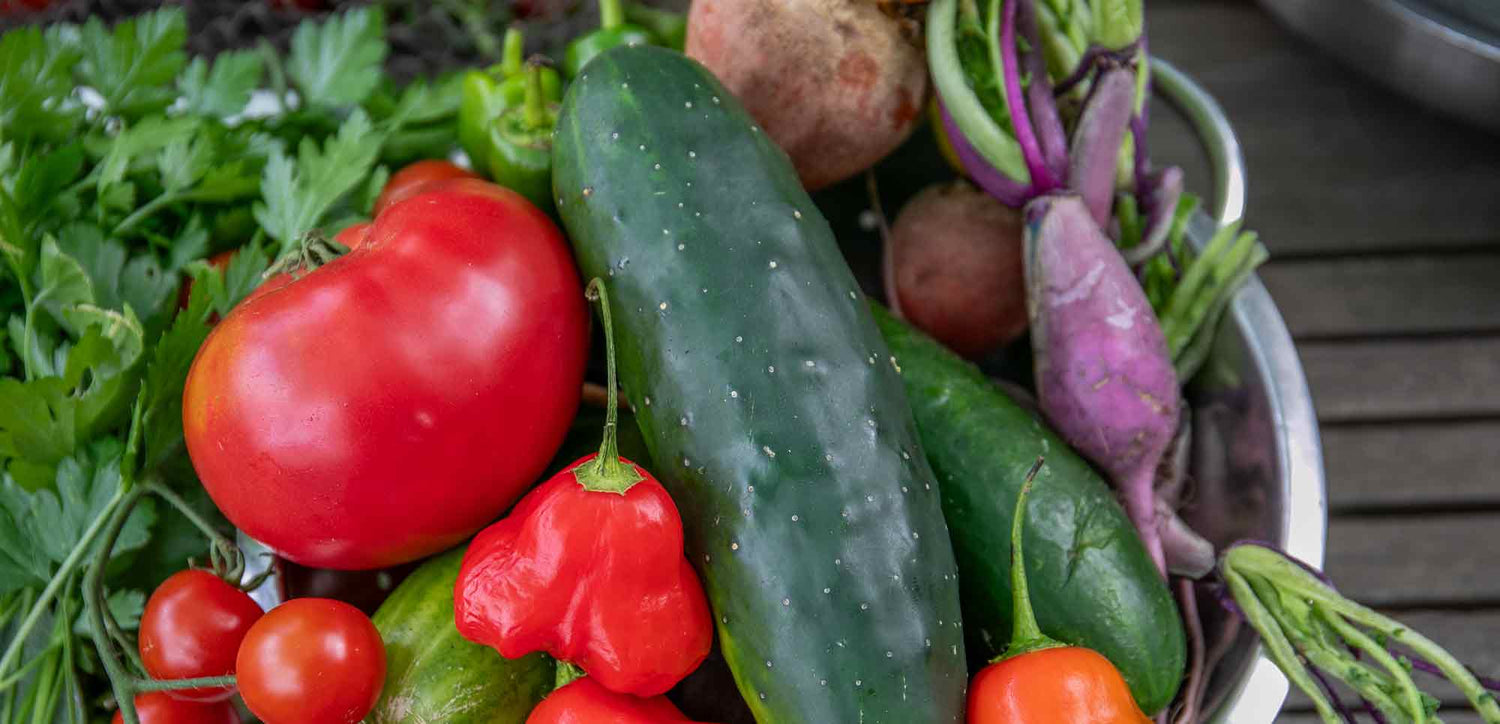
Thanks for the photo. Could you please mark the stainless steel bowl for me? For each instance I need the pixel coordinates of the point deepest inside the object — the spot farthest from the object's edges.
(1445, 53)
(1256, 455)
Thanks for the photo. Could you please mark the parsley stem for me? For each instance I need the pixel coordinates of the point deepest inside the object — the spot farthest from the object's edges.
(71, 562)
(145, 212)
(19, 674)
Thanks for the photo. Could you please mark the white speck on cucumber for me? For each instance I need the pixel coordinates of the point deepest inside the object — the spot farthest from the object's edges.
(771, 369)
(614, 136)
(648, 399)
(588, 191)
(683, 421)
(681, 247)
(827, 590)
(739, 339)
(734, 546)
(692, 154)
(769, 452)
(663, 306)
(794, 518)
(735, 394)
(773, 264)
(796, 214)
(666, 232)
(869, 498)
(656, 167)
(784, 602)
(810, 364)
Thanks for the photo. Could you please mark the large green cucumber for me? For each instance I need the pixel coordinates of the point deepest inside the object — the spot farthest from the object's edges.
(1091, 580)
(767, 397)
(435, 675)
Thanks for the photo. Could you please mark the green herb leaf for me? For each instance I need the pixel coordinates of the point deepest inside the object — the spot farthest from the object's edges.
(131, 147)
(184, 160)
(125, 606)
(225, 90)
(61, 281)
(22, 562)
(85, 484)
(35, 78)
(167, 370)
(338, 62)
(298, 194)
(133, 67)
(43, 179)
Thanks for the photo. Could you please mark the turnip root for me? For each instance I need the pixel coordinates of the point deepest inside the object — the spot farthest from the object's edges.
(834, 82)
(1104, 377)
(953, 268)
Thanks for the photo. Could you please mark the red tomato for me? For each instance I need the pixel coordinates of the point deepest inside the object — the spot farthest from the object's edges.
(585, 701)
(218, 261)
(354, 235)
(158, 708)
(408, 181)
(387, 405)
(192, 627)
(312, 661)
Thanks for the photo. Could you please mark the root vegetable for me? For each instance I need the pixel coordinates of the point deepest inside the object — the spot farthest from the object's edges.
(834, 82)
(1103, 374)
(953, 268)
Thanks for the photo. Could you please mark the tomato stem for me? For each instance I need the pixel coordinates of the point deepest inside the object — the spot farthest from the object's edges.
(607, 472)
(142, 686)
(512, 55)
(94, 605)
(1027, 636)
(611, 14)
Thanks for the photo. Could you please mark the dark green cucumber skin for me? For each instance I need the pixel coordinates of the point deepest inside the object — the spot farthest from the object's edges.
(767, 397)
(1091, 581)
(433, 674)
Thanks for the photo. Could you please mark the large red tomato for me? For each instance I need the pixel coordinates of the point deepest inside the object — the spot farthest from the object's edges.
(388, 404)
(157, 708)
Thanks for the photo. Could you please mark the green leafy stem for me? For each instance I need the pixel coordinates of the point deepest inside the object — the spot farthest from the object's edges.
(1309, 630)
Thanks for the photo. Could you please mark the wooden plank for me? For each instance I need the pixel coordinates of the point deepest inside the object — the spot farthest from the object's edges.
(1445, 465)
(1307, 716)
(1387, 295)
(1410, 561)
(1335, 162)
(1468, 635)
(1395, 379)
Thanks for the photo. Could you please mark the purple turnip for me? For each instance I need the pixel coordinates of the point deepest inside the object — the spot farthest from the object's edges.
(1104, 377)
(953, 268)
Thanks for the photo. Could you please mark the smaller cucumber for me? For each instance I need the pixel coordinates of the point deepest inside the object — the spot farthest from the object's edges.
(1090, 577)
(435, 675)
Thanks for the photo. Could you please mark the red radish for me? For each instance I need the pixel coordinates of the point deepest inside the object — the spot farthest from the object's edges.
(1104, 377)
(834, 82)
(953, 268)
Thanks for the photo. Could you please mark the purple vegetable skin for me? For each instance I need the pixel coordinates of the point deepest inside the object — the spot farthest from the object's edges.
(1039, 99)
(1097, 138)
(1103, 375)
(984, 175)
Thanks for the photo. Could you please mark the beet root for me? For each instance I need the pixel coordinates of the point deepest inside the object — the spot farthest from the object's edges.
(1104, 377)
(953, 268)
(834, 82)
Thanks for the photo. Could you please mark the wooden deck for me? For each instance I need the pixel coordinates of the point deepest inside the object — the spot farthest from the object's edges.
(1383, 221)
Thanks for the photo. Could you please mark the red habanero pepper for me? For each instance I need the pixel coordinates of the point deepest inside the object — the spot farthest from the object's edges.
(589, 567)
(1042, 681)
(586, 702)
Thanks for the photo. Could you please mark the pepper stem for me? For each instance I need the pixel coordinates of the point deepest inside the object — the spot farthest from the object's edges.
(611, 14)
(567, 673)
(607, 472)
(512, 54)
(535, 105)
(1027, 636)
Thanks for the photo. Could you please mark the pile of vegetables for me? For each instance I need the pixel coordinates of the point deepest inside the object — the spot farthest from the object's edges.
(299, 320)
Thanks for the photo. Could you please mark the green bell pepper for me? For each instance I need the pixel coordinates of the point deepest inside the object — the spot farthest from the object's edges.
(489, 93)
(613, 32)
(670, 28)
(520, 140)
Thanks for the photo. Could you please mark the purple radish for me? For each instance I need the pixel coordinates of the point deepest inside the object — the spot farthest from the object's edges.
(1039, 99)
(1103, 375)
(1159, 194)
(1097, 138)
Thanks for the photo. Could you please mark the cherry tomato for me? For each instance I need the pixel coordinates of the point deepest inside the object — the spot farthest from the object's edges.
(312, 661)
(354, 235)
(218, 261)
(192, 627)
(387, 405)
(586, 701)
(408, 181)
(157, 708)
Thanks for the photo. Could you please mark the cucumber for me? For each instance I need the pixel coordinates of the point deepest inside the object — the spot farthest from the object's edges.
(435, 675)
(1091, 580)
(767, 398)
